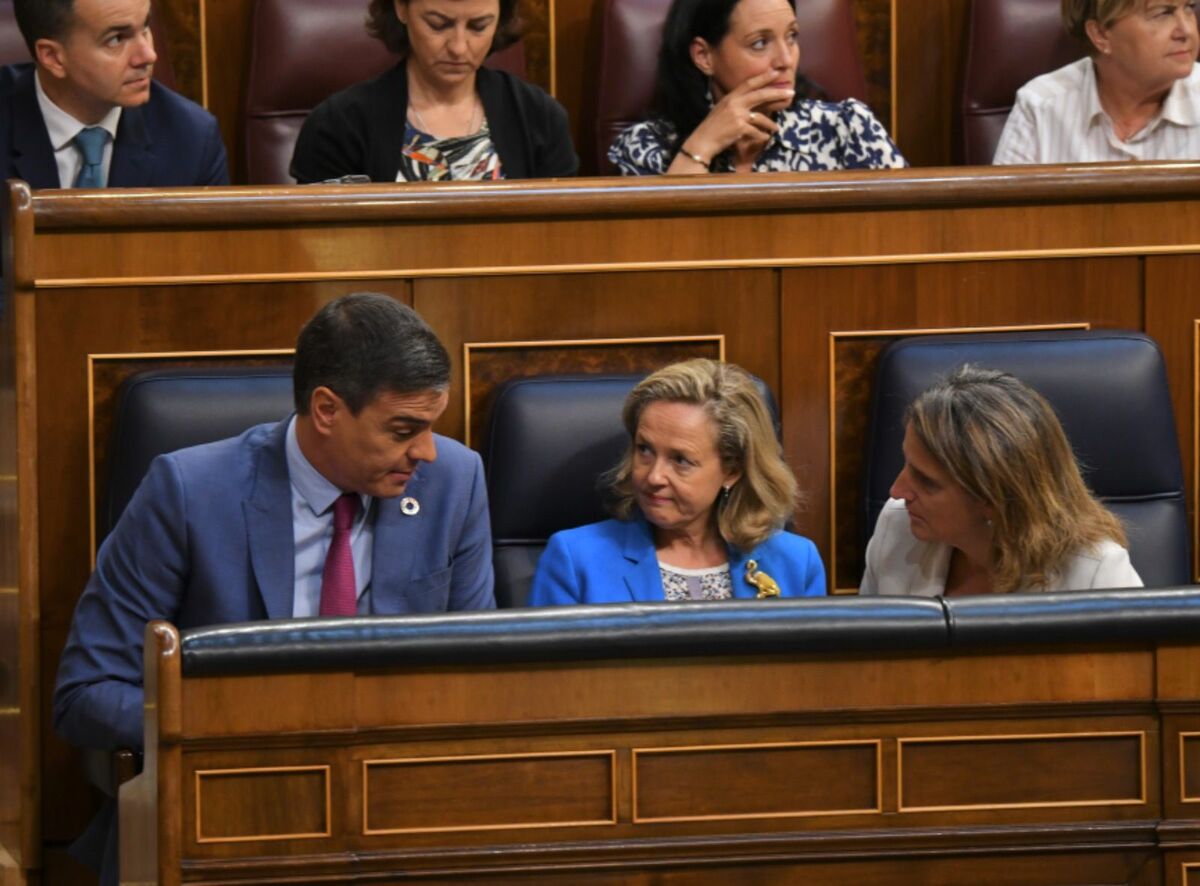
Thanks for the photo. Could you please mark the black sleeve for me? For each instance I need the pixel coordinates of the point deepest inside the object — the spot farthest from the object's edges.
(331, 144)
(555, 152)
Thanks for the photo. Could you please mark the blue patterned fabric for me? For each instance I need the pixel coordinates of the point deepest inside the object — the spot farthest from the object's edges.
(812, 136)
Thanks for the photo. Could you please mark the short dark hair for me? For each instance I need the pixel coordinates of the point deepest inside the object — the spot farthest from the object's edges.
(385, 25)
(43, 20)
(681, 89)
(364, 343)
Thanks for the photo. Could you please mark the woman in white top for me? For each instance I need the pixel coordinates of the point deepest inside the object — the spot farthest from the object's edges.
(1135, 97)
(990, 500)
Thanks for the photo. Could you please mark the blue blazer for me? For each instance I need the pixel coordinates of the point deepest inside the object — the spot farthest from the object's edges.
(167, 141)
(208, 539)
(614, 562)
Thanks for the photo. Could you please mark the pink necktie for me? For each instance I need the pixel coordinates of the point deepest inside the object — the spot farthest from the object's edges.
(339, 592)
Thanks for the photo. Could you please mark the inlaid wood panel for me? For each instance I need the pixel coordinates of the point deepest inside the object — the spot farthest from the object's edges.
(748, 781)
(740, 304)
(1189, 767)
(490, 364)
(1172, 317)
(488, 792)
(1010, 771)
(270, 803)
(826, 310)
(929, 46)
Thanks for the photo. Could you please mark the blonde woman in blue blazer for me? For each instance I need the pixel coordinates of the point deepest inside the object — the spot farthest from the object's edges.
(700, 500)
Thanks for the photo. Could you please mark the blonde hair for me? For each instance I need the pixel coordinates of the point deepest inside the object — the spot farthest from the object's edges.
(1001, 442)
(1077, 13)
(765, 496)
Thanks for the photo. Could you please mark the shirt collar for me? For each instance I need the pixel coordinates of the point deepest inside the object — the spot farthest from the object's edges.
(61, 126)
(1179, 107)
(318, 493)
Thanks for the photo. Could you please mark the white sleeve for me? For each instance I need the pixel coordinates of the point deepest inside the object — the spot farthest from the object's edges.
(1018, 142)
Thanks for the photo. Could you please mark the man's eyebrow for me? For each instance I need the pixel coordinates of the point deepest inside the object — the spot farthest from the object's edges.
(408, 420)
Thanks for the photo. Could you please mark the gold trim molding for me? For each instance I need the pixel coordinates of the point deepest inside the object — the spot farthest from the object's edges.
(687, 749)
(324, 769)
(605, 754)
(1050, 804)
(614, 267)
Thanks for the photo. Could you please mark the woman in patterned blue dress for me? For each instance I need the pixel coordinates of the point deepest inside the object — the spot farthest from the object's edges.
(729, 99)
(700, 499)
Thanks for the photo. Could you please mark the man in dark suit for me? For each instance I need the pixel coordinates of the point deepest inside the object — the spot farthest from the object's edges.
(351, 506)
(86, 113)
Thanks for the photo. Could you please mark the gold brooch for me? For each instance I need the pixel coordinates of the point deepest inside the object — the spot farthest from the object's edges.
(767, 586)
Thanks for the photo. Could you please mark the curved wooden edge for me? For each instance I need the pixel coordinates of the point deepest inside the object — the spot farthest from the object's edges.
(162, 683)
(589, 198)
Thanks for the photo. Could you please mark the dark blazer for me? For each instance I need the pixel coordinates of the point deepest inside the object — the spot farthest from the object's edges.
(614, 562)
(208, 539)
(360, 130)
(167, 141)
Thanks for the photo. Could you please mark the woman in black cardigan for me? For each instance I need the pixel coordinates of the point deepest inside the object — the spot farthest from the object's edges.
(439, 114)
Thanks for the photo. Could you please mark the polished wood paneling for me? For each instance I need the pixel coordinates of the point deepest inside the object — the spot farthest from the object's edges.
(262, 803)
(740, 305)
(756, 781)
(182, 21)
(489, 365)
(226, 61)
(1172, 286)
(873, 19)
(488, 792)
(929, 46)
(1189, 757)
(996, 772)
(916, 764)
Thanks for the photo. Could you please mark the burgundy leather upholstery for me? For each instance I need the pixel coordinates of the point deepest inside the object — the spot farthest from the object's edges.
(13, 49)
(301, 52)
(632, 34)
(1009, 42)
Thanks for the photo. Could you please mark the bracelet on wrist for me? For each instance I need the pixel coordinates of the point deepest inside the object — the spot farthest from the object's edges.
(695, 158)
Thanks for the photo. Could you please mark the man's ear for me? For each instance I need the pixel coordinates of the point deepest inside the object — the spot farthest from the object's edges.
(324, 409)
(50, 56)
(701, 54)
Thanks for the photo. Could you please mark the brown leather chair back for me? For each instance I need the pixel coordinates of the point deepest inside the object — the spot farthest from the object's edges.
(301, 52)
(632, 34)
(1009, 42)
(13, 49)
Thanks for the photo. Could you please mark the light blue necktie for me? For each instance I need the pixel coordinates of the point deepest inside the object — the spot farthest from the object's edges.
(91, 143)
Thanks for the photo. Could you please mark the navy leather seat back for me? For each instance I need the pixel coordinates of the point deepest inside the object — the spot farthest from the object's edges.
(1109, 389)
(549, 439)
(167, 409)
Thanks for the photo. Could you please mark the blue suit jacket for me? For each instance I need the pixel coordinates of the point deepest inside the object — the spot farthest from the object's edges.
(207, 539)
(614, 562)
(167, 141)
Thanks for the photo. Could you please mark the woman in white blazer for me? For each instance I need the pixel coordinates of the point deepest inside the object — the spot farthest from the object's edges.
(990, 500)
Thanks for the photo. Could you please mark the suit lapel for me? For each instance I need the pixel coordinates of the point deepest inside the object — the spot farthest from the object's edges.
(133, 152)
(270, 537)
(33, 155)
(642, 579)
(394, 550)
(737, 571)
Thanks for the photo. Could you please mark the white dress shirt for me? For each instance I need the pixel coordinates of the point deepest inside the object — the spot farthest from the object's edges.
(898, 563)
(312, 530)
(63, 128)
(1057, 118)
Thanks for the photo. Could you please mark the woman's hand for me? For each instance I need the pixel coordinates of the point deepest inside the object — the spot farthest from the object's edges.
(734, 120)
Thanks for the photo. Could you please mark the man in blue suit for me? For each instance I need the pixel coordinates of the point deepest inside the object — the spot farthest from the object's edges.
(351, 506)
(86, 113)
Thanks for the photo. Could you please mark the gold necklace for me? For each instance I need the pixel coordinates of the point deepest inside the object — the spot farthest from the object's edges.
(472, 124)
